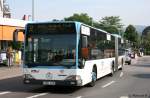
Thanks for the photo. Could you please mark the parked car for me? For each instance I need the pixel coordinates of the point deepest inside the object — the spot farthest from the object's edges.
(127, 57)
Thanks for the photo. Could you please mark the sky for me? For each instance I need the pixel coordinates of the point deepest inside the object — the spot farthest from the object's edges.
(135, 12)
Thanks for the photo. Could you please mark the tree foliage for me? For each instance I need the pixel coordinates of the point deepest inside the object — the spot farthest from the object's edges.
(111, 24)
(83, 17)
(17, 46)
(146, 31)
(146, 39)
(132, 35)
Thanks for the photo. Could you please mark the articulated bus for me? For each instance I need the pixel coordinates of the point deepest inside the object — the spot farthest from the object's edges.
(69, 54)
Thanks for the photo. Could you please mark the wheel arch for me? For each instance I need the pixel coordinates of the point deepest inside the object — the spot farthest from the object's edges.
(95, 68)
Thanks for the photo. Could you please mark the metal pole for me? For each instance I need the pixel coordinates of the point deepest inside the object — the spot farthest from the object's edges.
(116, 53)
(32, 10)
(3, 8)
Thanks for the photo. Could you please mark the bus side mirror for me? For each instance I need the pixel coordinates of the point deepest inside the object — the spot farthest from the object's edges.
(84, 56)
(85, 53)
(84, 41)
(15, 35)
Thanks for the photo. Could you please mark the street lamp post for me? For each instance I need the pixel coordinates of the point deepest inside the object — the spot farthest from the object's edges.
(3, 8)
(32, 10)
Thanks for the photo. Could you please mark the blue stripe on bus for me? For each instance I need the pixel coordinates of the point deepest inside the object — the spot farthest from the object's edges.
(78, 25)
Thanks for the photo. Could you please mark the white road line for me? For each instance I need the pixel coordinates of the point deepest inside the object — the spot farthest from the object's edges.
(121, 74)
(108, 84)
(124, 97)
(3, 93)
(79, 97)
(38, 95)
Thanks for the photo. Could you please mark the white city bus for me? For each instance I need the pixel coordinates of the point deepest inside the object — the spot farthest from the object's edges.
(68, 54)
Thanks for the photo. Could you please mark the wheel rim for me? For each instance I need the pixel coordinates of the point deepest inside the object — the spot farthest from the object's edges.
(94, 76)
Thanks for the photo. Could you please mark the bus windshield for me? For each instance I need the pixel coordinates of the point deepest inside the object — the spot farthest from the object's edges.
(50, 50)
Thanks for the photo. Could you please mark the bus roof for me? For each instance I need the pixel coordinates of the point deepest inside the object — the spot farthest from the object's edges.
(79, 23)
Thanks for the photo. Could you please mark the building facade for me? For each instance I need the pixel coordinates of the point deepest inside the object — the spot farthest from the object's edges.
(7, 27)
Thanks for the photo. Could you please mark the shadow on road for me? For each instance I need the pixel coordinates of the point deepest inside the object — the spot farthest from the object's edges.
(143, 65)
(146, 76)
(56, 89)
(3, 65)
(16, 85)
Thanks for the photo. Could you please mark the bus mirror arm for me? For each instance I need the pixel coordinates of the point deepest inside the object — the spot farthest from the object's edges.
(85, 53)
(15, 35)
(84, 57)
(82, 63)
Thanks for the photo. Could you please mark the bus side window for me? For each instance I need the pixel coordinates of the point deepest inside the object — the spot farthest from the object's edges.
(85, 48)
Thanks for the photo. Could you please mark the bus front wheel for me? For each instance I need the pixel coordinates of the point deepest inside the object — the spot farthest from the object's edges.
(94, 78)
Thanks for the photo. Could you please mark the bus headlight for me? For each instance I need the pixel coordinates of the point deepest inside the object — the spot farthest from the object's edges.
(73, 77)
(28, 76)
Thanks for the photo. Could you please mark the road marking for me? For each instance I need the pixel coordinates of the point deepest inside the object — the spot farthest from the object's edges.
(79, 97)
(38, 95)
(108, 84)
(121, 74)
(124, 97)
(11, 76)
(3, 93)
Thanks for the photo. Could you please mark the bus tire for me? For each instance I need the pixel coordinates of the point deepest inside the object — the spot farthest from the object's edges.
(94, 77)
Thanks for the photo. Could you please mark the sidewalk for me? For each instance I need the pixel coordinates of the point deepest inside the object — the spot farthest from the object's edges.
(6, 72)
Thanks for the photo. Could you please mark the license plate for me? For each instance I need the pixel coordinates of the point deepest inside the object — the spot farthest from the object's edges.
(49, 83)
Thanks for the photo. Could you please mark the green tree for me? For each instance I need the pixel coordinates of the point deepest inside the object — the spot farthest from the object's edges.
(146, 40)
(17, 46)
(146, 31)
(132, 35)
(111, 24)
(83, 17)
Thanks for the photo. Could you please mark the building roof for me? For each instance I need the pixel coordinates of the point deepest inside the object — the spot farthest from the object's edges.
(13, 22)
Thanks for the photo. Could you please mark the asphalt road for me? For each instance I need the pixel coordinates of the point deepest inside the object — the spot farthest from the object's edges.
(132, 82)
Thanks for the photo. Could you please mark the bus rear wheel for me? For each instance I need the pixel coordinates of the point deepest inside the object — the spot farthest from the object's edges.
(112, 70)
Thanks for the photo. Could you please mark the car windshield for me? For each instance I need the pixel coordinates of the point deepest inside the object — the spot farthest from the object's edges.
(50, 50)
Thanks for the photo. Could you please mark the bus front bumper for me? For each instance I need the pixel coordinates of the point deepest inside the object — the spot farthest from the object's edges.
(54, 82)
